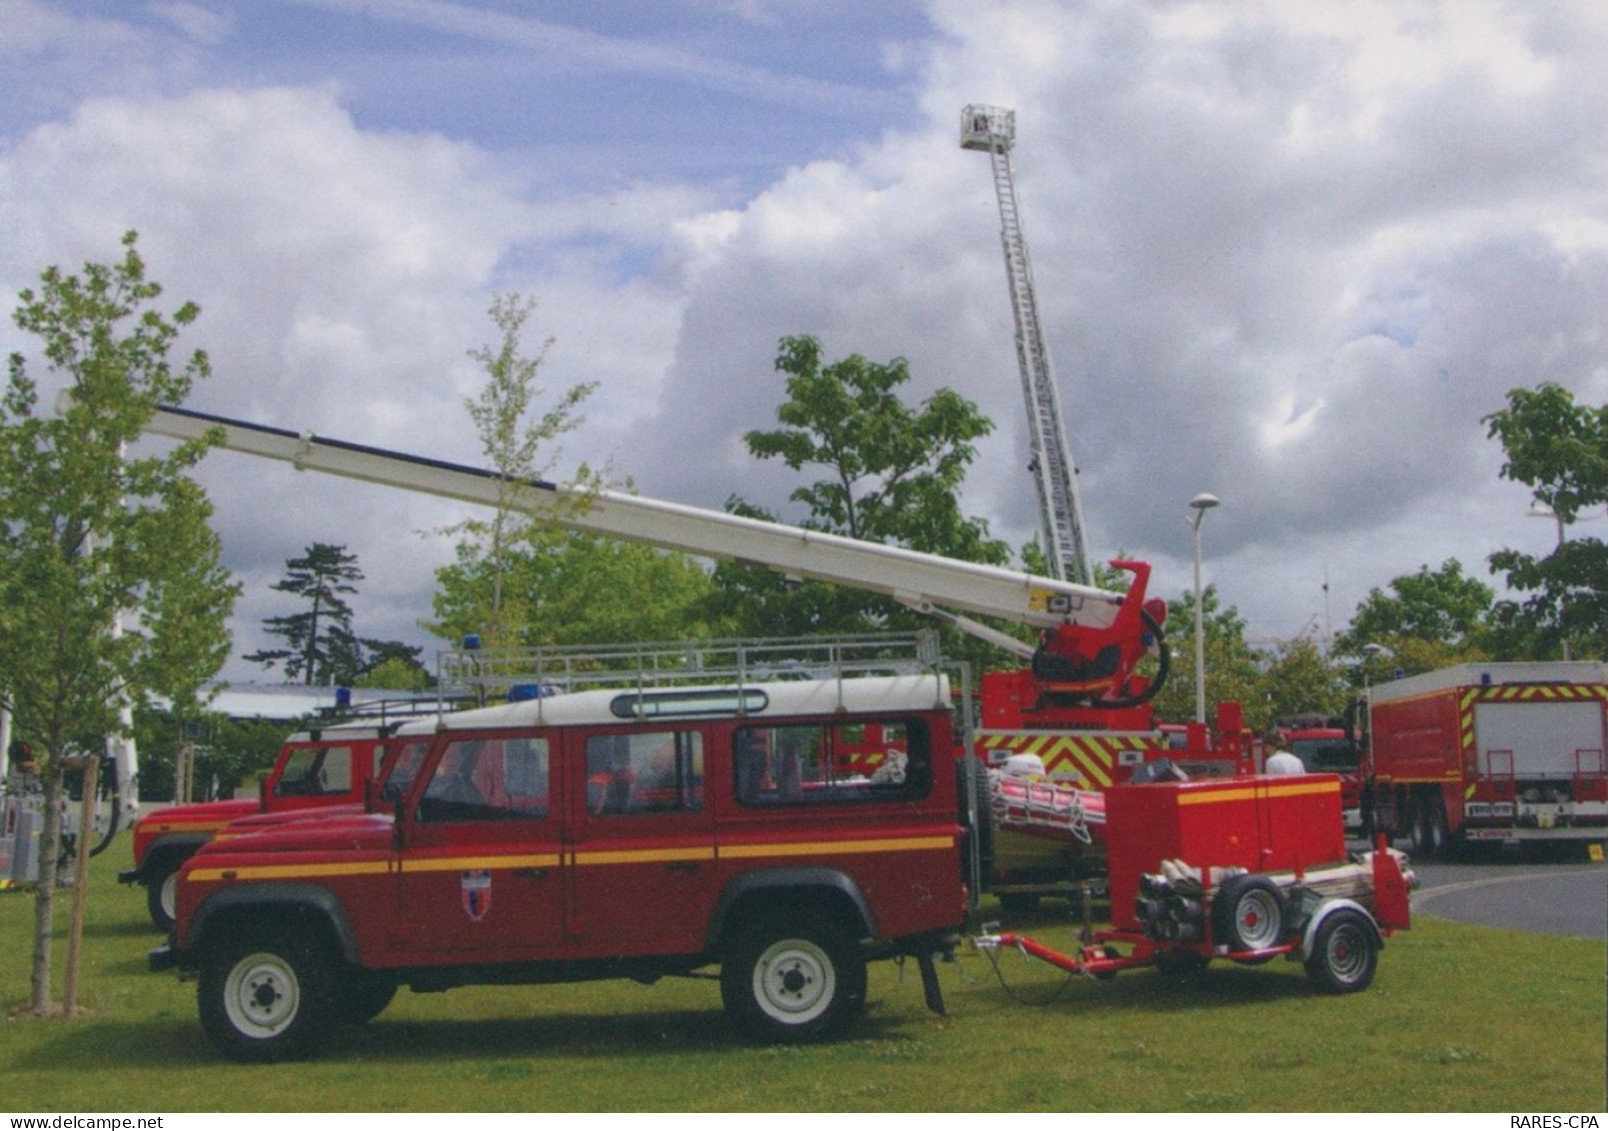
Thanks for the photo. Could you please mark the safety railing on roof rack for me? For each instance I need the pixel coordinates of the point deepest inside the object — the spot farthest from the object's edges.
(488, 675)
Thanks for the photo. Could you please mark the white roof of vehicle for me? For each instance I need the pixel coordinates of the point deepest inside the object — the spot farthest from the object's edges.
(1479, 675)
(862, 696)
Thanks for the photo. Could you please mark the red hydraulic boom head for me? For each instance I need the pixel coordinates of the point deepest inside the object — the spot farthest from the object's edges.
(1098, 666)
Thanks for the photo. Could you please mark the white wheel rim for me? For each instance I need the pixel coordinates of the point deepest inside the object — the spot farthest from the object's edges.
(261, 995)
(794, 981)
(1257, 918)
(1347, 953)
(168, 896)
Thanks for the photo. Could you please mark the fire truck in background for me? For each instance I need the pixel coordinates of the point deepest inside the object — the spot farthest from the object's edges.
(1328, 746)
(1494, 753)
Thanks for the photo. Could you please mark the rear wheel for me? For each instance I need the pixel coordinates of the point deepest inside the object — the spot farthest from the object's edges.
(791, 978)
(1431, 841)
(266, 995)
(1344, 953)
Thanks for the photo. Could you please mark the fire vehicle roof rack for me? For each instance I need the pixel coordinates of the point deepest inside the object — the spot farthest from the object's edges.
(488, 675)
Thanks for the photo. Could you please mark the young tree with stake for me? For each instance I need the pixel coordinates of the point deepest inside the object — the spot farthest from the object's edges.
(90, 532)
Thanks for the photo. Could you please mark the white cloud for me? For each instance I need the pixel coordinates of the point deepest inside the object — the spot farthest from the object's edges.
(1286, 253)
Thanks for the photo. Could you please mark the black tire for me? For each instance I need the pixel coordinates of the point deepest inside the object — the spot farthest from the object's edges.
(792, 978)
(1248, 913)
(1431, 840)
(161, 896)
(364, 996)
(1345, 953)
(267, 995)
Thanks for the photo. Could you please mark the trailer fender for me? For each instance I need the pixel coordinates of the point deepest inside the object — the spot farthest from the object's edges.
(1329, 907)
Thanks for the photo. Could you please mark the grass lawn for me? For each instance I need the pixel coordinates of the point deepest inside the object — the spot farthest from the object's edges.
(1459, 1019)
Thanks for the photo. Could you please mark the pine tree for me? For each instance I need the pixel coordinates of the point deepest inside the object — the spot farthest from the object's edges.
(320, 647)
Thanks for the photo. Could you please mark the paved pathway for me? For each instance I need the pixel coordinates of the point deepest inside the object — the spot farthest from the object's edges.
(1526, 895)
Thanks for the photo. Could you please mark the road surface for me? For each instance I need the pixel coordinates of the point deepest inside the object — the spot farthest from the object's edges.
(1522, 894)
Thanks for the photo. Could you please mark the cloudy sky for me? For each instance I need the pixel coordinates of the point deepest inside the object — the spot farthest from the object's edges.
(1289, 252)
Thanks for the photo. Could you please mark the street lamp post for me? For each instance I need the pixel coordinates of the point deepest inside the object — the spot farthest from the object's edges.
(1200, 504)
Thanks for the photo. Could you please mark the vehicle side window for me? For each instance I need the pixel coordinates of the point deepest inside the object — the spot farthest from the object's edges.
(644, 772)
(825, 764)
(315, 772)
(488, 779)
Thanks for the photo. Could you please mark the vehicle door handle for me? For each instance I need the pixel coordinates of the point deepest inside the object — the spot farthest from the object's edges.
(530, 873)
(682, 866)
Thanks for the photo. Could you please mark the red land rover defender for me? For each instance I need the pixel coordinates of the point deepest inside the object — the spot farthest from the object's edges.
(602, 834)
(315, 769)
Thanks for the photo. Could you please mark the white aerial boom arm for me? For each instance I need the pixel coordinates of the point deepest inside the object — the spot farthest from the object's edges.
(931, 584)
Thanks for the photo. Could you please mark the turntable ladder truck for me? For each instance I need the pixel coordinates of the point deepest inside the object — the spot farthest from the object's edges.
(992, 130)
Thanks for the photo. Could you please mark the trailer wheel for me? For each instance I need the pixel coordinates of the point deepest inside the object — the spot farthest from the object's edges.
(1248, 913)
(793, 978)
(266, 996)
(1344, 953)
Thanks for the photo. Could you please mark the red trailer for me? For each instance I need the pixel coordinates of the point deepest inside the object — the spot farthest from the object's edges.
(1244, 869)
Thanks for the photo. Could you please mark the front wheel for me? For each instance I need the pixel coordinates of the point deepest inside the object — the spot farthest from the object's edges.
(1344, 955)
(161, 898)
(266, 996)
(791, 979)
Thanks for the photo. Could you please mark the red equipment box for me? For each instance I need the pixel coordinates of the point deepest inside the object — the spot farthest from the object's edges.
(1260, 823)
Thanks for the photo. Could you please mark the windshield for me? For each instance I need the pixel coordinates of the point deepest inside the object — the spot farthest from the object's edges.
(1327, 755)
(403, 768)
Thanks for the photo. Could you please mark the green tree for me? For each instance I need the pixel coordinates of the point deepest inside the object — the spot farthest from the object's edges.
(565, 588)
(229, 753)
(320, 646)
(890, 473)
(92, 533)
(1442, 607)
(390, 665)
(893, 473)
(1559, 449)
(1233, 667)
(1298, 679)
(521, 446)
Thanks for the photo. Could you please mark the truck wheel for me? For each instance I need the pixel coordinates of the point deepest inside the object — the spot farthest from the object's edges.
(1344, 953)
(266, 996)
(791, 979)
(1431, 841)
(1248, 913)
(161, 898)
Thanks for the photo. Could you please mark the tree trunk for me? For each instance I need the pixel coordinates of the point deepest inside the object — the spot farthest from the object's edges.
(45, 894)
